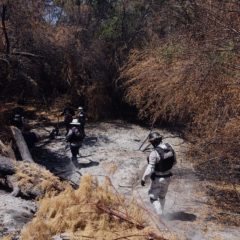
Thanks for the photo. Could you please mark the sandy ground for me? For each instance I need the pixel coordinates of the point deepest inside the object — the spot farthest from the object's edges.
(111, 149)
(14, 213)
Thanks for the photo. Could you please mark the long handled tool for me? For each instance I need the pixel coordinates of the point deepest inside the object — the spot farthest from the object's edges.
(148, 135)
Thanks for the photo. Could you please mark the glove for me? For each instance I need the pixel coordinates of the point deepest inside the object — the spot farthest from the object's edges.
(142, 183)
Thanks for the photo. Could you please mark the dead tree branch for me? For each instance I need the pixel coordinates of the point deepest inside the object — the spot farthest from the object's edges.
(119, 215)
(27, 54)
(4, 10)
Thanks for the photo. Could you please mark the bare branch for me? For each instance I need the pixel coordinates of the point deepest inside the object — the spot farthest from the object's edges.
(4, 9)
(27, 54)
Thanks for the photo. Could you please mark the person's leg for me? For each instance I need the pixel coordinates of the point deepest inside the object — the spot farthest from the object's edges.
(153, 195)
(157, 206)
(67, 126)
(163, 188)
(74, 151)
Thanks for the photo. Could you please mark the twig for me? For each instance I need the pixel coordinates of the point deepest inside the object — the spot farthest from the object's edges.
(5, 60)
(119, 215)
(4, 10)
(27, 54)
(150, 214)
(118, 195)
(129, 236)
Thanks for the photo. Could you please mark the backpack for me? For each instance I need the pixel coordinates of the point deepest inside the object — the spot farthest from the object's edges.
(167, 158)
(77, 135)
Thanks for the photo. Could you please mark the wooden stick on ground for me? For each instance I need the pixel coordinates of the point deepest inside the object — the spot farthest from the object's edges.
(22, 146)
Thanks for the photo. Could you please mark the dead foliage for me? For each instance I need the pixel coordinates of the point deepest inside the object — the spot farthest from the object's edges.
(33, 178)
(225, 200)
(189, 76)
(93, 212)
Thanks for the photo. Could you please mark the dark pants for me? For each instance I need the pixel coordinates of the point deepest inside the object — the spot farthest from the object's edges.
(67, 120)
(67, 126)
(83, 130)
(74, 150)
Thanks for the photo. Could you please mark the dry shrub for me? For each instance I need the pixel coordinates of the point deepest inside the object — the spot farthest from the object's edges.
(98, 101)
(84, 213)
(226, 200)
(219, 151)
(34, 179)
(9, 237)
(170, 83)
(190, 77)
(195, 90)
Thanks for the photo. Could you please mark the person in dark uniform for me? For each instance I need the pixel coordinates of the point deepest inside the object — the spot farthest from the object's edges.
(17, 118)
(68, 114)
(82, 118)
(75, 137)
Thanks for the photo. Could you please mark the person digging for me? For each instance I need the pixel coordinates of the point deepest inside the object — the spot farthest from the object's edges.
(160, 162)
(75, 137)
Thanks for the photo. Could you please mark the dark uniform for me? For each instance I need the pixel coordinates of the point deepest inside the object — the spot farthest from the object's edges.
(68, 114)
(82, 121)
(75, 137)
(17, 118)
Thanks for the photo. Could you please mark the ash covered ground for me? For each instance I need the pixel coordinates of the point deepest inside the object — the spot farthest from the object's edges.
(111, 149)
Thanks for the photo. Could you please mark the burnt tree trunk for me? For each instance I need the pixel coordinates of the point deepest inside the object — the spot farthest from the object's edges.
(21, 144)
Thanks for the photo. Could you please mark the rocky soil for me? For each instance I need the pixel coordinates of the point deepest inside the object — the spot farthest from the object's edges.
(111, 149)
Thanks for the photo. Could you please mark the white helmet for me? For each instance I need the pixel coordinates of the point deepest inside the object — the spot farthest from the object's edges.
(80, 108)
(75, 122)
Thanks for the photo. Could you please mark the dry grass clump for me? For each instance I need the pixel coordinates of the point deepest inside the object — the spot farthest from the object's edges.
(218, 154)
(35, 180)
(170, 83)
(90, 212)
(9, 237)
(226, 201)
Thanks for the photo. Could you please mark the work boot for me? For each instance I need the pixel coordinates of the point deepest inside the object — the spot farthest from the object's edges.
(162, 202)
(157, 207)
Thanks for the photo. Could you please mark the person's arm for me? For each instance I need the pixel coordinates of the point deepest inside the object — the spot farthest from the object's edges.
(69, 135)
(151, 166)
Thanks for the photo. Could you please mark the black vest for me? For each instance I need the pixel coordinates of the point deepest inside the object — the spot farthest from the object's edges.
(167, 158)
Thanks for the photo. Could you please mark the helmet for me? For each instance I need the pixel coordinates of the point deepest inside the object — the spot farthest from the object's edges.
(154, 137)
(80, 108)
(75, 122)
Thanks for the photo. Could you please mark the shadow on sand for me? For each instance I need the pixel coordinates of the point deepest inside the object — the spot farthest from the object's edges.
(88, 164)
(180, 216)
(54, 162)
(60, 164)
